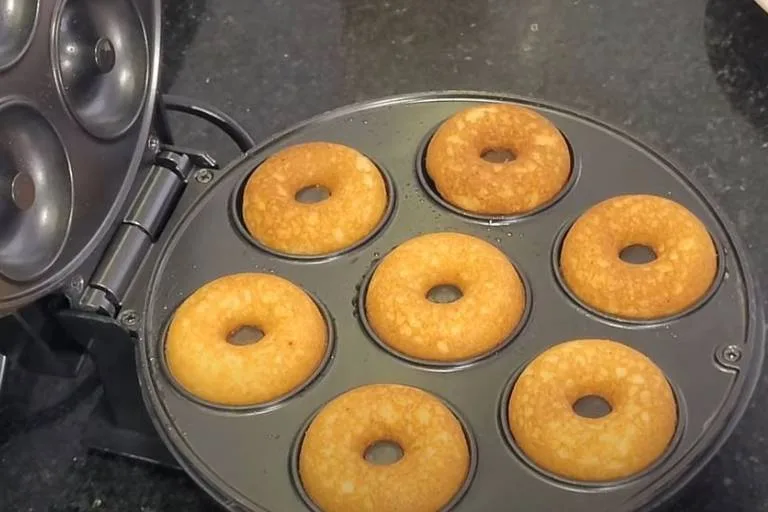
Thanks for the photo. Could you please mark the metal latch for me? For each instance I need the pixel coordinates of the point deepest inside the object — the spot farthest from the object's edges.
(140, 228)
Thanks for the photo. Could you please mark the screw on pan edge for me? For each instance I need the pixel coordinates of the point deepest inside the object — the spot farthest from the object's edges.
(153, 145)
(75, 287)
(128, 318)
(203, 176)
(729, 355)
(732, 353)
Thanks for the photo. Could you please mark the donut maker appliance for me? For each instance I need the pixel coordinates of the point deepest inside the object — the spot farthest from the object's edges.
(106, 226)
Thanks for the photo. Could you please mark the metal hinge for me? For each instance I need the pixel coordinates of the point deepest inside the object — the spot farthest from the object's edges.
(140, 228)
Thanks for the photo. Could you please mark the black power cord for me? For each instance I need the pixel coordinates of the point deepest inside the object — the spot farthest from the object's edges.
(213, 115)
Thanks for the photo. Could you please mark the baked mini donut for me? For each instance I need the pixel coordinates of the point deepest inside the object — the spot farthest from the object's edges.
(355, 206)
(624, 442)
(204, 363)
(433, 468)
(402, 316)
(539, 170)
(683, 271)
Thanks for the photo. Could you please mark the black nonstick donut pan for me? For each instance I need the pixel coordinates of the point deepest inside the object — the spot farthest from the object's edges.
(246, 457)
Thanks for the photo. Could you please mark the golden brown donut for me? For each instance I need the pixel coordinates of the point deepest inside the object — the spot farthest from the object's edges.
(202, 360)
(357, 202)
(401, 315)
(465, 179)
(630, 438)
(433, 468)
(683, 271)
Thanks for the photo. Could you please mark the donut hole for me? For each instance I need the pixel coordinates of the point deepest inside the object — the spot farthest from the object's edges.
(245, 335)
(444, 294)
(637, 254)
(312, 194)
(383, 453)
(498, 155)
(592, 406)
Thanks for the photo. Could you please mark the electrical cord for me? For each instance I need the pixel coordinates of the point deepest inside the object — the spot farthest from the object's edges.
(213, 115)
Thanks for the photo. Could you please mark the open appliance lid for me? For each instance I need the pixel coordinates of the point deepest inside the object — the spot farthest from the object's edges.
(78, 82)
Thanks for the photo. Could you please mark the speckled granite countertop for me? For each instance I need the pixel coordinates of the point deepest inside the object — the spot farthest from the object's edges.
(688, 77)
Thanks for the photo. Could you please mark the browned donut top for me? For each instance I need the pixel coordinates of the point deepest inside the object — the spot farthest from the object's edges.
(202, 360)
(630, 438)
(357, 202)
(435, 458)
(684, 268)
(464, 178)
(491, 306)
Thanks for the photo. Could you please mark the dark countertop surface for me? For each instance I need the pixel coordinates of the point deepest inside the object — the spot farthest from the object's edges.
(689, 77)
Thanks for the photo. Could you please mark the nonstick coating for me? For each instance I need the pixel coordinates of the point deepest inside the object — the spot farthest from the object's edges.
(246, 458)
